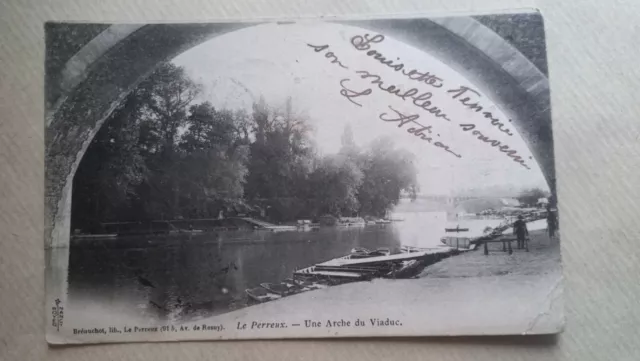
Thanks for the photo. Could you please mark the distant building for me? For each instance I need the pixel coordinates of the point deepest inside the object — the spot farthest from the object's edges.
(542, 202)
(510, 202)
(350, 220)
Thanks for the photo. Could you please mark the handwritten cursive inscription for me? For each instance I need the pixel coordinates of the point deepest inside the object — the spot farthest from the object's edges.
(363, 43)
(420, 100)
(350, 93)
(403, 119)
(466, 96)
(415, 128)
(474, 105)
(513, 154)
(329, 54)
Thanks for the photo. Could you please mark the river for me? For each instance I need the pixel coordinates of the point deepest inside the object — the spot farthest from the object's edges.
(207, 274)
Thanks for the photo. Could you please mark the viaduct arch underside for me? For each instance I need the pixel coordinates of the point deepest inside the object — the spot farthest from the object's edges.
(96, 78)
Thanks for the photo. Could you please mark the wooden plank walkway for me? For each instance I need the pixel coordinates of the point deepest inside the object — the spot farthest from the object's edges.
(379, 259)
(330, 274)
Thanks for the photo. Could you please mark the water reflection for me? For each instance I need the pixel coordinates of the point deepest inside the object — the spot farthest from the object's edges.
(190, 277)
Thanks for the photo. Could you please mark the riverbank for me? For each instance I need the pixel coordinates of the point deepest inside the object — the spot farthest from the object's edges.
(470, 294)
(543, 258)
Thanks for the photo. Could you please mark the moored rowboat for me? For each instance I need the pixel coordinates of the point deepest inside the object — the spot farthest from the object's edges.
(260, 294)
(457, 229)
(281, 289)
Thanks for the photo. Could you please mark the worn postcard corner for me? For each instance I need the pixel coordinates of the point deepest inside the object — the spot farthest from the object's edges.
(343, 178)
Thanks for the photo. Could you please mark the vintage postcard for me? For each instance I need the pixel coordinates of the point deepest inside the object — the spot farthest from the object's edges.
(296, 179)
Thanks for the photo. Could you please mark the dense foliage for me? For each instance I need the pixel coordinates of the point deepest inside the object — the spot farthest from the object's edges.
(530, 197)
(161, 155)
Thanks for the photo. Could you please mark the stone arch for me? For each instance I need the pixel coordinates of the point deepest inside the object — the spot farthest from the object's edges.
(98, 77)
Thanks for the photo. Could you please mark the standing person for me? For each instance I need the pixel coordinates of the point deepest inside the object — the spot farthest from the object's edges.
(521, 231)
(552, 223)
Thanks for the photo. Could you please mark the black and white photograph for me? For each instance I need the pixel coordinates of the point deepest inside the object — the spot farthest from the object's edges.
(300, 178)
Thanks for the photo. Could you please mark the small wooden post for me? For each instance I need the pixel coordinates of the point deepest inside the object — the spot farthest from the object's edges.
(486, 250)
(504, 246)
(510, 250)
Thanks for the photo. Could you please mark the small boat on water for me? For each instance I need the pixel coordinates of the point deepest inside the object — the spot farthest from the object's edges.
(383, 221)
(360, 265)
(305, 285)
(457, 229)
(409, 249)
(365, 253)
(260, 294)
(441, 248)
(327, 275)
(359, 250)
(382, 251)
(407, 269)
(281, 289)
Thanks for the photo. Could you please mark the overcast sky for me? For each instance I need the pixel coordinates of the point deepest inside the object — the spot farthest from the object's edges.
(274, 61)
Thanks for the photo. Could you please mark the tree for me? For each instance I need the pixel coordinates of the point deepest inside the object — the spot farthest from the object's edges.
(280, 161)
(387, 172)
(129, 168)
(213, 168)
(168, 93)
(346, 140)
(349, 148)
(334, 186)
(161, 155)
(530, 197)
